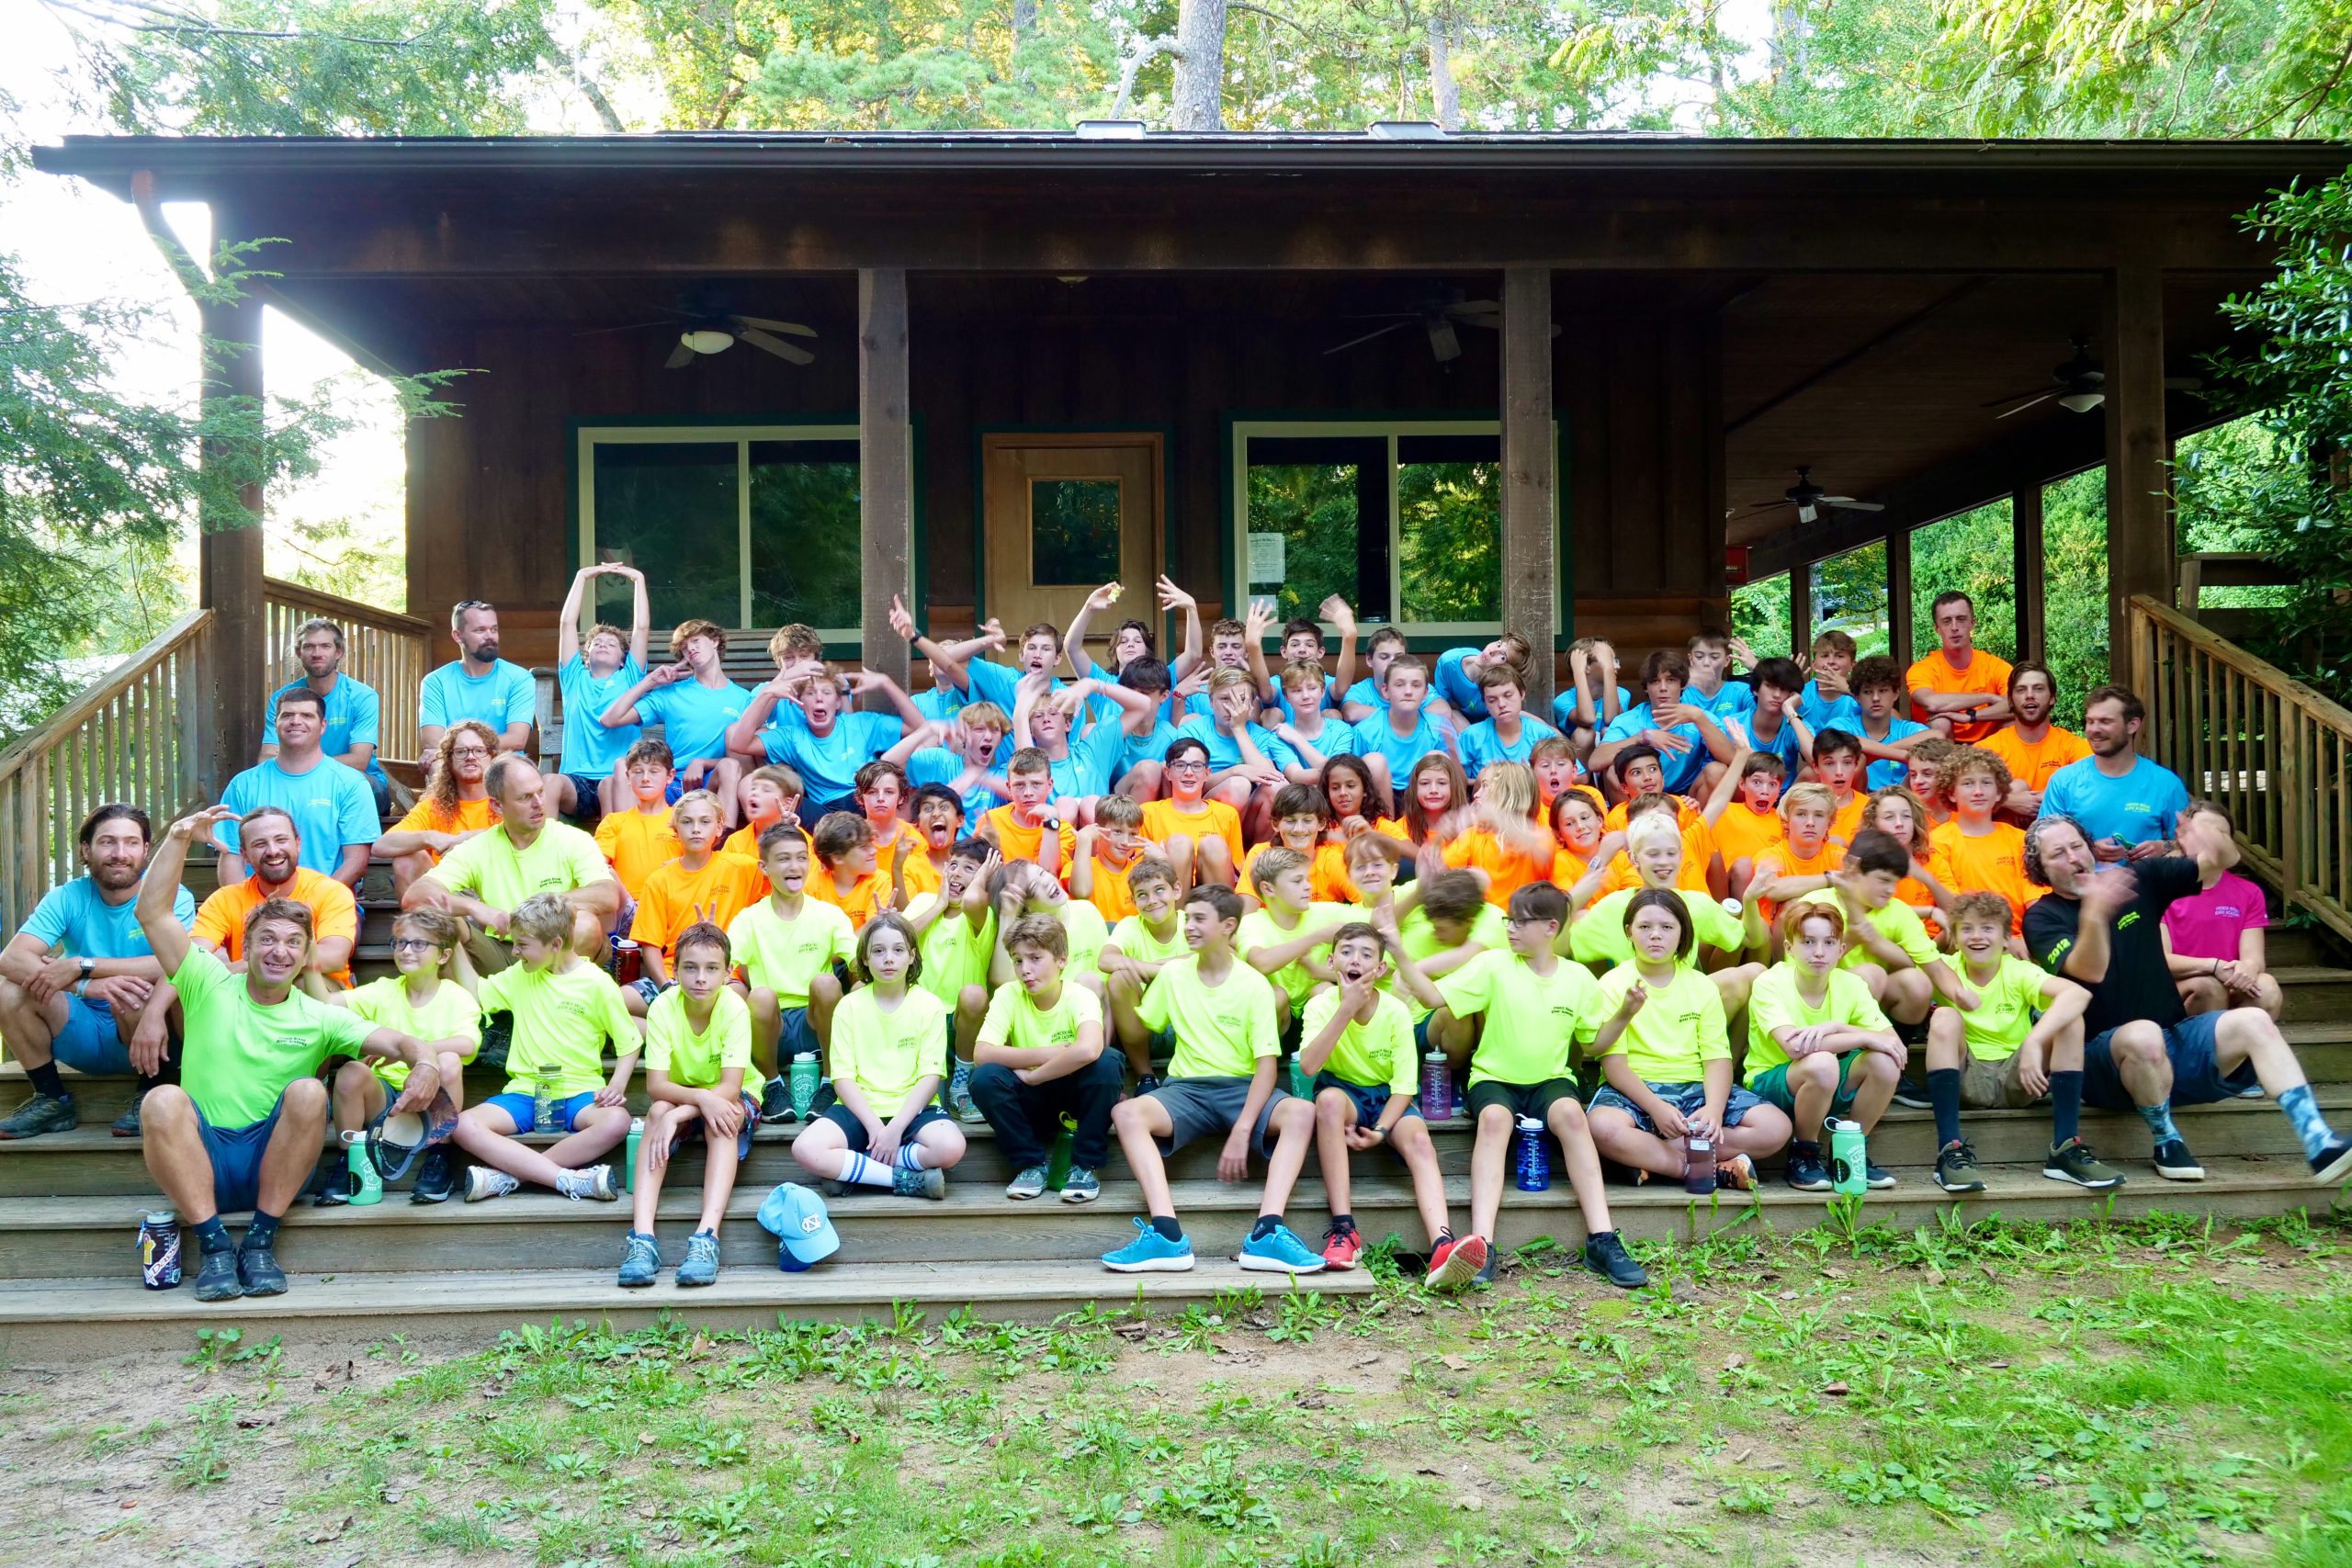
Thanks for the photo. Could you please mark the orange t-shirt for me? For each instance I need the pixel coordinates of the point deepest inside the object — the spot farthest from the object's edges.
(1109, 891)
(1848, 821)
(1329, 876)
(675, 899)
(221, 920)
(1506, 870)
(1569, 868)
(1784, 861)
(1163, 820)
(2032, 765)
(471, 817)
(1989, 862)
(867, 897)
(637, 842)
(745, 842)
(1985, 676)
(922, 875)
(1697, 849)
(1015, 840)
(1743, 833)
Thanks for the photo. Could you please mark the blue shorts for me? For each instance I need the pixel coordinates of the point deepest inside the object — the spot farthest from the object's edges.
(236, 1158)
(1368, 1100)
(852, 1129)
(523, 1110)
(795, 1038)
(1685, 1098)
(587, 795)
(815, 811)
(1421, 1034)
(89, 1042)
(697, 1130)
(2197, 1077)
(678, 784)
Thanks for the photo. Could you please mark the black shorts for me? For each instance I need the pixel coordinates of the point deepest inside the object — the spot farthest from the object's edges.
(854, 1130)
(1522, 1099)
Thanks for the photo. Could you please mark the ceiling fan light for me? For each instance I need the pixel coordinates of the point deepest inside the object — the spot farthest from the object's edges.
(707, 340)
(2081, 402)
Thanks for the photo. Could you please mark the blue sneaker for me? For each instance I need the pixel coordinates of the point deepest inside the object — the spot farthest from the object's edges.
(701, 1267)
(1280, 1252)
(640, 1262)
(1152, 1253)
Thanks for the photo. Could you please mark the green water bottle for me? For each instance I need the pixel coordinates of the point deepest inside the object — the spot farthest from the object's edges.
(1057, 1163)
(807, 1073)
(1849, 1157)
(1302, 1082)
(636, 1137)
(367, 1183)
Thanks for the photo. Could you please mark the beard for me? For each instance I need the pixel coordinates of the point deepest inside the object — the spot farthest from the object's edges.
(278, 869)
(114, 877)
(485, 650)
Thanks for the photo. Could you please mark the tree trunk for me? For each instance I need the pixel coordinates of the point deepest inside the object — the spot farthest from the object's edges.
(1025, 21)
(1445, 93)
(1200, 66)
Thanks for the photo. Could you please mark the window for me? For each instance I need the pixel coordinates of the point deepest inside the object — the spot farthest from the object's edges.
(1849, 595)
(744, 526)
(1404, 521)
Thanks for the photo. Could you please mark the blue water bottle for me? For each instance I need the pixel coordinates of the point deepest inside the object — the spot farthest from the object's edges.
(1534, 1162)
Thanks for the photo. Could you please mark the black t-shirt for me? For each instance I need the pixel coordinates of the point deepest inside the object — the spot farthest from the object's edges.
(2139, 982)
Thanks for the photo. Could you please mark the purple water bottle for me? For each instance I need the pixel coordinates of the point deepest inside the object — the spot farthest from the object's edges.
(1534, 1162)
(1698, 1165)
(1437, 1088)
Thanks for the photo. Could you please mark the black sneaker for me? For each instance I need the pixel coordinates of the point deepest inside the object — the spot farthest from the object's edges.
(1956, 1167)
(127, 1126)
(1807, 1173)
(41, 1114)
(1606, 1256)
(2333, 1162)
(1908, 1093)
(1876, 1176)
(1146, 1084)
(215, 1276)
(2073, 1161)
(776, 1102)
(1486, 1274)
(2175, 1163)
(437, 1177)
(333, 1187)
(258, 1272)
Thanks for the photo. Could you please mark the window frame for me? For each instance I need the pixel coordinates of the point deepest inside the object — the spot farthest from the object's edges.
(1240, 431)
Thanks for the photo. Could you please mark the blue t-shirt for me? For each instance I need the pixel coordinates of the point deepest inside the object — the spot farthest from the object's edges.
(72, 921)
(694, 717)
(353, 719)
(1838, 712)
(504, 696)
(589, 748)
(1368, 693)
(332, 806)
(1375, 738)
(1682, 771)
(1152, 748)
(1337, 737)
(1783, 746)
(827, 764)
(1479, 745)
(1564, 707)
(1885, 771)
(1092, 761)
(1290, 714)
(1224, 751)
(1455, 686)
(2142, 806)
(937, 764)
(1732, 699)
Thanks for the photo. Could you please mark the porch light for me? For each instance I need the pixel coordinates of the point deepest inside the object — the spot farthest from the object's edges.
(706, 340)
(1406, 130)
(1110, 130)
(2081, 402)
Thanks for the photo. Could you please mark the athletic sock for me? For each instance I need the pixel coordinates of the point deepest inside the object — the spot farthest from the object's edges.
(2066, 1107)
(911, 1157)
(1343, 1223)
(857, 1168)
(263, 1232)
(1943, 1093)
(212, 1237)
(2159, 1121)
(45, 1080)
(1167, 1226)
(1267, 1224)
(2302, 1111)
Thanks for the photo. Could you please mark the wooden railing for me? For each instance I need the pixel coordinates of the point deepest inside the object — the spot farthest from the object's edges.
(135, 735)
(384, 648)
(2245, 733)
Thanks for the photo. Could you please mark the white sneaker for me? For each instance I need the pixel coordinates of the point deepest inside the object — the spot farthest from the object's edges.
(482, 1183)
(595, 1181)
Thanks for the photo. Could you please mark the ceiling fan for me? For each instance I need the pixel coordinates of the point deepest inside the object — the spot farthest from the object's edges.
(1439, 309)
(708, 330)
(2079, 385)
(1808, 498)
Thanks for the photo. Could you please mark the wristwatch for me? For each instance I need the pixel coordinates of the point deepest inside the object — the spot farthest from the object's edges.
(89, 966)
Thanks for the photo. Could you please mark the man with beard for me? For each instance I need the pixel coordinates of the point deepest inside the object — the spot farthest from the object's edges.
(78, 979)
(274, 849)
(477, 683)
(2128, 806)
(456, 805)
(352, 708)
(329, 805)
(1956, 686)
(486, 878)
(2033, 748)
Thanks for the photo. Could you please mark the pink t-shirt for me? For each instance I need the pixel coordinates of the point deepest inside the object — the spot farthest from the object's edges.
(2207, 924)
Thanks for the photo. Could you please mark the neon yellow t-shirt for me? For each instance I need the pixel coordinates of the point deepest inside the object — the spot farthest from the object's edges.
(1776, 1003)
(561, 1020)
(1895, 920)
(1679, 1030)
(1134, 938)
(240, 1056)
(1599, 935)
(1222, 1030)
(1084, 928)
(785, 956)
(954, 954)
(450, 1014)
(887, 1054)
(1369, 1053)
(1532, 1019)
(1016, 1019)
(2004, 1014)
(487, 866)
(1418, 937)
(692, 1060)
(1258, 929)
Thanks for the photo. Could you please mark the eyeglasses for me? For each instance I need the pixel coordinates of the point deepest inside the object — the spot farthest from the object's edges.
(1189, 766)
(413, 944)
(470, 750)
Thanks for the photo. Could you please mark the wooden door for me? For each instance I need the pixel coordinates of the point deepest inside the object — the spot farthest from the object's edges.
(1063, 516)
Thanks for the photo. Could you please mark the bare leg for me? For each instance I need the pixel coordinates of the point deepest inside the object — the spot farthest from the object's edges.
(487, 1134)
(1812, 1084)
(31, 1028)
(293, 1149)
(359, 1095)
(1615, 1134)
(173, 1147)
(1293, 1125)
(1411, 1141)
(1487, 1156)
(943, 1146)
(1215, 860)
(2138, 1049)
(1134, 1037)
(662, 1123)
(595, 1132)
(1874, 1078)
(407, 868)
(1763, 1130)
(1583, 1162)
(1139, 1122)
(1334, 1115)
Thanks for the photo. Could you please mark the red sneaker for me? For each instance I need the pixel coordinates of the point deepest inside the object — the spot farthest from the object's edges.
(1342, 1248)
(1453, 1264)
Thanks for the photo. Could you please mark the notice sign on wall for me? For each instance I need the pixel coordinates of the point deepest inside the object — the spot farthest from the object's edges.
(1266, 558)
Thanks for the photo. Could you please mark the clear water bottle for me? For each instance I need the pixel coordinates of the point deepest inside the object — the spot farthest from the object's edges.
(543, 1102)
(1437, 1088)
(1698, 1165)
(1534, 1163)
(1849, 1165)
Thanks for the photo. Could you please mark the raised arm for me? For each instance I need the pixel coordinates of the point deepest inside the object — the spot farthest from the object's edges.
(623, 710)
(159, 888)
(1172, 597)
(860, 682)
(1337, 611)
(947, 672)
(567, 625)
(1082, 663)
(1254, 621)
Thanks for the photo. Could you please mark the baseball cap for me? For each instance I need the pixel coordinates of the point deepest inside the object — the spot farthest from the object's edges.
(395, 1141)
(804, 1231)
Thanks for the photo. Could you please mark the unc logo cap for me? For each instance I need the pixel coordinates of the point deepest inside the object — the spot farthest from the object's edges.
(804, 1231)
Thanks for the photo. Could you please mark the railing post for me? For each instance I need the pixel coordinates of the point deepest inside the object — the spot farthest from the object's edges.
(229, 546)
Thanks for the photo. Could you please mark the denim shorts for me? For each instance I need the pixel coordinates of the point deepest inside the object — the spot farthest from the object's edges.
(1368, 1099)
(698, 1130)
(1685, 1098)
(523, 1110)
(2197, 1077)
(90, 1043)
(236, 1158)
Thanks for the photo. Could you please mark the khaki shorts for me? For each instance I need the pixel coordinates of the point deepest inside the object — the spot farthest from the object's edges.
(1992, 1086)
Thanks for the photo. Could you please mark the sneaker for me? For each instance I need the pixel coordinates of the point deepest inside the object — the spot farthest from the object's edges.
(640, 1261)
(1279, 1251)
(593, 1181)
(2333, 1162)
(215, 1276)
(701, 1267)
(1150, 1253)
(1908, 1093)
(258, 1270)
(1738, 1172)
(1807, 1173)
(41, 1114)
(930, 1184)
(1340, 1249)
(1956, 1167)
(1081, 1186)
(1876, 1176)
(482, 1183)
(1146, 1084)
(836, 1187)
(1455, 1264)
(1486, 1274)
(127, 1124)
(960, 1096)
(2073, 1161)
(1606, 1256)
(2175, 1163)
(776, 1102)
(1029, 1182)
(437, 1176)
(335, 1186)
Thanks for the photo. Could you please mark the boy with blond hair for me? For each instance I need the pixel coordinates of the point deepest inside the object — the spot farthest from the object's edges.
(1975, 851)
(1132, 954)
(768, 795)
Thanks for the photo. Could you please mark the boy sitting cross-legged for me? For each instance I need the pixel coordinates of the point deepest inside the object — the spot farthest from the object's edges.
(565, 1010)
(787, 944)
(1134, 952)
(698, 1050)
(1998, 1056)
(889, 1050)
(1528, 1008)
(432, 998)
(1358, 1042)
(1818, 1045)
(1221, 1080)
(1041, 1057)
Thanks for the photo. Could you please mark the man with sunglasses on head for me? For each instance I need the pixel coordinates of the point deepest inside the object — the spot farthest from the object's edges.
(477, 683)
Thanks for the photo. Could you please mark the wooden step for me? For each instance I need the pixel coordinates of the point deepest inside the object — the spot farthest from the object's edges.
(2313, 994)
(51, 1319)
